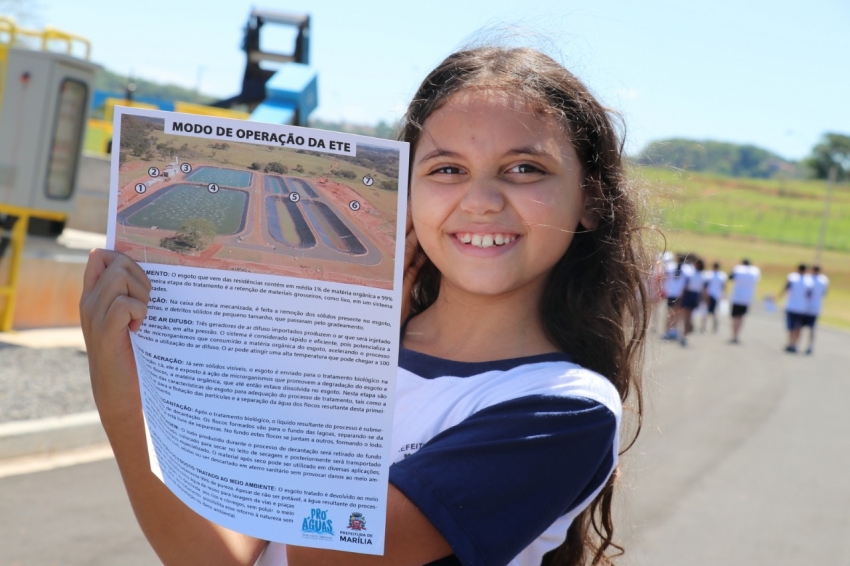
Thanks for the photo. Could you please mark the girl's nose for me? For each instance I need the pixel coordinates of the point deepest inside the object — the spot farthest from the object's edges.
(482, 196)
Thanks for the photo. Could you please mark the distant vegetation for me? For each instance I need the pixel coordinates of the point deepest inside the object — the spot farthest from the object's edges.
(833, 152)
(719, 158)
(380, 130)
(114, 82)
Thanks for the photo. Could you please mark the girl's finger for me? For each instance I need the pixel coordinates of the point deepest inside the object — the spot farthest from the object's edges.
(101, 260)
(123, 312)
(121, 278)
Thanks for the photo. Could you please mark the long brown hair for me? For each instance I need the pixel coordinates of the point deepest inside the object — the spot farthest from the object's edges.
(595, 304)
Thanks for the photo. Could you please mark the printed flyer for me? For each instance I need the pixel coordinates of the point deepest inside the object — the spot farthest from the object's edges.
(268, 358)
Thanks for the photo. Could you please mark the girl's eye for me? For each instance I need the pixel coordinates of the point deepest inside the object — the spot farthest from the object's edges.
(446, 170)
(525, 168)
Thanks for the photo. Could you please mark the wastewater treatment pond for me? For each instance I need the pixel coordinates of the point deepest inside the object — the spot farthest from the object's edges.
(170, 207)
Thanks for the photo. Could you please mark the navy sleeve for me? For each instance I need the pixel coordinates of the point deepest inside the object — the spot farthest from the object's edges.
(494, 482)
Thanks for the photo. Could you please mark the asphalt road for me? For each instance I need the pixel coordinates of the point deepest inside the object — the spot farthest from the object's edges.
(743, 459)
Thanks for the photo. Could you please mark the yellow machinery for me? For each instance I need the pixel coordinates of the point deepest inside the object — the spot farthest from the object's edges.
(44, 102)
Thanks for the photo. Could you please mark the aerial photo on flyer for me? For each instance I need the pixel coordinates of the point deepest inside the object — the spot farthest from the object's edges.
(255, 208)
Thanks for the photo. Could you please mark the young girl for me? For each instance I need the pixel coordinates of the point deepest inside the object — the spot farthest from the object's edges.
(524, 332)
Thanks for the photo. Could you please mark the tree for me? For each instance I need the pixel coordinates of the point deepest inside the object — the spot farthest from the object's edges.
(832, 151)
(194, 234)
(275, 167)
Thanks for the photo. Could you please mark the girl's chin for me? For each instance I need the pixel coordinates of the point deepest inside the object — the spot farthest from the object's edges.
(483, 287)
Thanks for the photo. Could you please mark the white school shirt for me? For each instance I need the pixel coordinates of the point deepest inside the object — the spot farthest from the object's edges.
(820, 285)
(674, 284)
(745, 278)
(694, 281)
(799, 289)
(715, 283)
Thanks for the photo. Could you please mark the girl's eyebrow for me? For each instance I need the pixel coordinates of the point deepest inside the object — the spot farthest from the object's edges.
(524, 150)
(438, 153)
(530, 150)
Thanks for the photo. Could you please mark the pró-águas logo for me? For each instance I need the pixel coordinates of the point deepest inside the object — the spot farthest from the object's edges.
(317, 523)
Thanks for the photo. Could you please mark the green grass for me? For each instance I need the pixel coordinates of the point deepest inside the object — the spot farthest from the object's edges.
(773, 210)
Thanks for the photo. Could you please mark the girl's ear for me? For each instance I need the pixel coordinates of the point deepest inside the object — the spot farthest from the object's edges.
(590, 215)
(589, 218)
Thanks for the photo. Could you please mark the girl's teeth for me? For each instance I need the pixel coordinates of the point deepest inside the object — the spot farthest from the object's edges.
(486, 240)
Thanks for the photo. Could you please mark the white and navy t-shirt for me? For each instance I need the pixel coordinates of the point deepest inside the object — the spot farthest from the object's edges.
(500, 456)
(820, 285)
(745, 277)
(715, 283)
(799, 287)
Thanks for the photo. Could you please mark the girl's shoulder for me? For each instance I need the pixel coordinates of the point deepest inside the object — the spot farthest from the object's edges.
(488, 383)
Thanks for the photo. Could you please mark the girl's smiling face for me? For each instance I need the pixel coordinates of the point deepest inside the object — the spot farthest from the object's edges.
(496, 194)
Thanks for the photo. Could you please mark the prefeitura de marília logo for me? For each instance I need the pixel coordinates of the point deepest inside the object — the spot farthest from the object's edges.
(356, 523)
(317, 523)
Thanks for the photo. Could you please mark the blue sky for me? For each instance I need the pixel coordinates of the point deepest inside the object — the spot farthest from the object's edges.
(773, 73)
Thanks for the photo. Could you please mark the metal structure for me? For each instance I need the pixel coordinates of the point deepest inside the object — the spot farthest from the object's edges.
(283, 96)
(44, 101)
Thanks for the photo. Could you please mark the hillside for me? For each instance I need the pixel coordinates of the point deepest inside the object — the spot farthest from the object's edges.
(719, 158)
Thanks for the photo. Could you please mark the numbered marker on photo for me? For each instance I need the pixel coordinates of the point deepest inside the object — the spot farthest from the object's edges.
(213, 188)
(185, 167)
(354, 205)
(141, 187)
(294, 197)
(153, 172)
(368, 181)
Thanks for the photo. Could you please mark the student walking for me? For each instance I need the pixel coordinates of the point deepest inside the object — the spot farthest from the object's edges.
(820, 286)
(674, 288)
(527, 307)
(745, 278)
(715, 288)
(798, 286)
(694, 287)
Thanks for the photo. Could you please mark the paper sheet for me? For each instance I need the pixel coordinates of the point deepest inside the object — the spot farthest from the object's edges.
(268, 358)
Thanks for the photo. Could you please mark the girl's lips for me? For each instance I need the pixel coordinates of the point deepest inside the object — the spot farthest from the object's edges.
(485, 240)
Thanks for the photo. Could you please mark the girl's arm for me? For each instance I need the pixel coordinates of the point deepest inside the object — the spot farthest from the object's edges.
(115, 296)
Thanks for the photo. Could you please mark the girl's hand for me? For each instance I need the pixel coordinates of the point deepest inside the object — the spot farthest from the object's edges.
(414, 257)
(114, 302)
